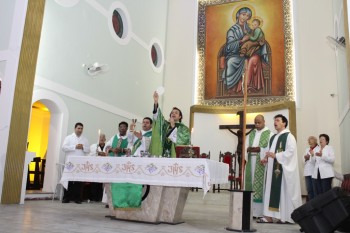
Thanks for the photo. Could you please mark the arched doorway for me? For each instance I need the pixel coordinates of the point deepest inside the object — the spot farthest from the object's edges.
(37, 141)
(57, 131)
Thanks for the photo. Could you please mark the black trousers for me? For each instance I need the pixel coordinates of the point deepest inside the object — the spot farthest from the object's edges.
(74, 191)
(322, 185)
(96, 191)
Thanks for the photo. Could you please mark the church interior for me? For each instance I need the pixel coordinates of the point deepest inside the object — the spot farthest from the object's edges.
(99, 63)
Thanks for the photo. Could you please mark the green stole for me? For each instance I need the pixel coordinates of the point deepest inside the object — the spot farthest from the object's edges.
(125, 195)
(160, 142)
(277, 172)
(258, 184)
(119, 142)
(137, 143)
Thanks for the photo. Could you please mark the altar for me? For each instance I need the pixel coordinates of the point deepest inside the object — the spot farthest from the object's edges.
(169, 178)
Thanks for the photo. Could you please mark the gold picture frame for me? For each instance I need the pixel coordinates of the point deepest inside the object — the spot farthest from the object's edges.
(258, 99)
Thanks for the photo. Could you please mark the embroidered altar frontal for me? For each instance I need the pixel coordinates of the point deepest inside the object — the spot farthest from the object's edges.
(175, 172)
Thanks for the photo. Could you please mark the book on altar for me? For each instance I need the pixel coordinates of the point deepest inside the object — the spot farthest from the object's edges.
(187, 151)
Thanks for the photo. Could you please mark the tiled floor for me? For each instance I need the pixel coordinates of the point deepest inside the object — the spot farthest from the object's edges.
(200, 215)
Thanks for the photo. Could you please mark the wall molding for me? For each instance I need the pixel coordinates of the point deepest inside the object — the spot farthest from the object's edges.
(344, 113)
(65, 91)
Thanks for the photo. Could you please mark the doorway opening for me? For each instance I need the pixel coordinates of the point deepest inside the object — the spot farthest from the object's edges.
(53, 129)
(37, 142)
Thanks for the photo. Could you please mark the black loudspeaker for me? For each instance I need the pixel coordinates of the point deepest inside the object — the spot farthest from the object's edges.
(323, 214)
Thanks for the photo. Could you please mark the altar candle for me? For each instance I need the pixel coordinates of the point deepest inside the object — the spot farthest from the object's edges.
(99, 134)
(192, 130)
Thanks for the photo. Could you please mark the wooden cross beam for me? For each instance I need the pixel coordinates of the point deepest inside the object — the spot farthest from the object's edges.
(240, 126)
(239, 132)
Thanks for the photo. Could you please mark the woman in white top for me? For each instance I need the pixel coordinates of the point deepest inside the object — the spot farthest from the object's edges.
(323, 172)
(309, 166)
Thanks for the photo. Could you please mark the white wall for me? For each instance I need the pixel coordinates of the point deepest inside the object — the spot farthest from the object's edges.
(343, 83)
(82, 34)
(317, 111)
(180, 56)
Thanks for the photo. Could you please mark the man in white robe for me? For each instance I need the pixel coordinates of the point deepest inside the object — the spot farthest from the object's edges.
(282, 188)
(75, 144)
(140, 141)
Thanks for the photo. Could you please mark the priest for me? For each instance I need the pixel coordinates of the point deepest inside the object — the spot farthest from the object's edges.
(140, 141)
(118, 144)
(282, 190)
(124, 195)
(256, 147)
(166, 135)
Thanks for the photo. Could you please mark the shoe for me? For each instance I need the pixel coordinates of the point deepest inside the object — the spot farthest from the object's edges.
(107, 206)
(78, 202)
(263, 220)
(282, 222)
(65, 201)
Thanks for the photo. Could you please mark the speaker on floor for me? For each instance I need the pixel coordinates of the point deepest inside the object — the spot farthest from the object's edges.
(323, 214)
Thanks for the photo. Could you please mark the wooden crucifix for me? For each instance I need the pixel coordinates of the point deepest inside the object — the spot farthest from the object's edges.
(239, 135)
(240, 213)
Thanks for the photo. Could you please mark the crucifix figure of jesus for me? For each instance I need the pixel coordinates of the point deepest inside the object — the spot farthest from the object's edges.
(239, 135)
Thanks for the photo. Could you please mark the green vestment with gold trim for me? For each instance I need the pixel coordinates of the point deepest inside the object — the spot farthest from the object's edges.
(160, 142)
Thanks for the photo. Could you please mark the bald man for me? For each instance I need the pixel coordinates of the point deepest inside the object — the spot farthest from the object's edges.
(256, 147)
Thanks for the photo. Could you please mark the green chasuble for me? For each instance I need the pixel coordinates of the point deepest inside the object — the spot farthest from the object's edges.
(257, 184)
(275, 194)
(160, 132)
(125, 195)
(119, 142)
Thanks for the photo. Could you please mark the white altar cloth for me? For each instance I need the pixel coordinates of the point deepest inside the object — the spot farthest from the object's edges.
(175, 172)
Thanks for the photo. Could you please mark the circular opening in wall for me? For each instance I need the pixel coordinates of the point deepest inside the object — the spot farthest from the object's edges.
(119, 23)
(156, 55)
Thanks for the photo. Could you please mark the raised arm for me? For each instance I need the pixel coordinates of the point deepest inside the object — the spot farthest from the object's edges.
(155, 106)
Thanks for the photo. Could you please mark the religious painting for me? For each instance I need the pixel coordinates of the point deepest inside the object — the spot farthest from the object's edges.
(245, 40)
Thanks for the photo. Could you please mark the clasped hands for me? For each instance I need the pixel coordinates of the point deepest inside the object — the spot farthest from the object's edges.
(257, 150)
(101, 153)
(253, 149)
(119, 150)
(268, 155)
(79, 147)
(306, 157)
(318, 153)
